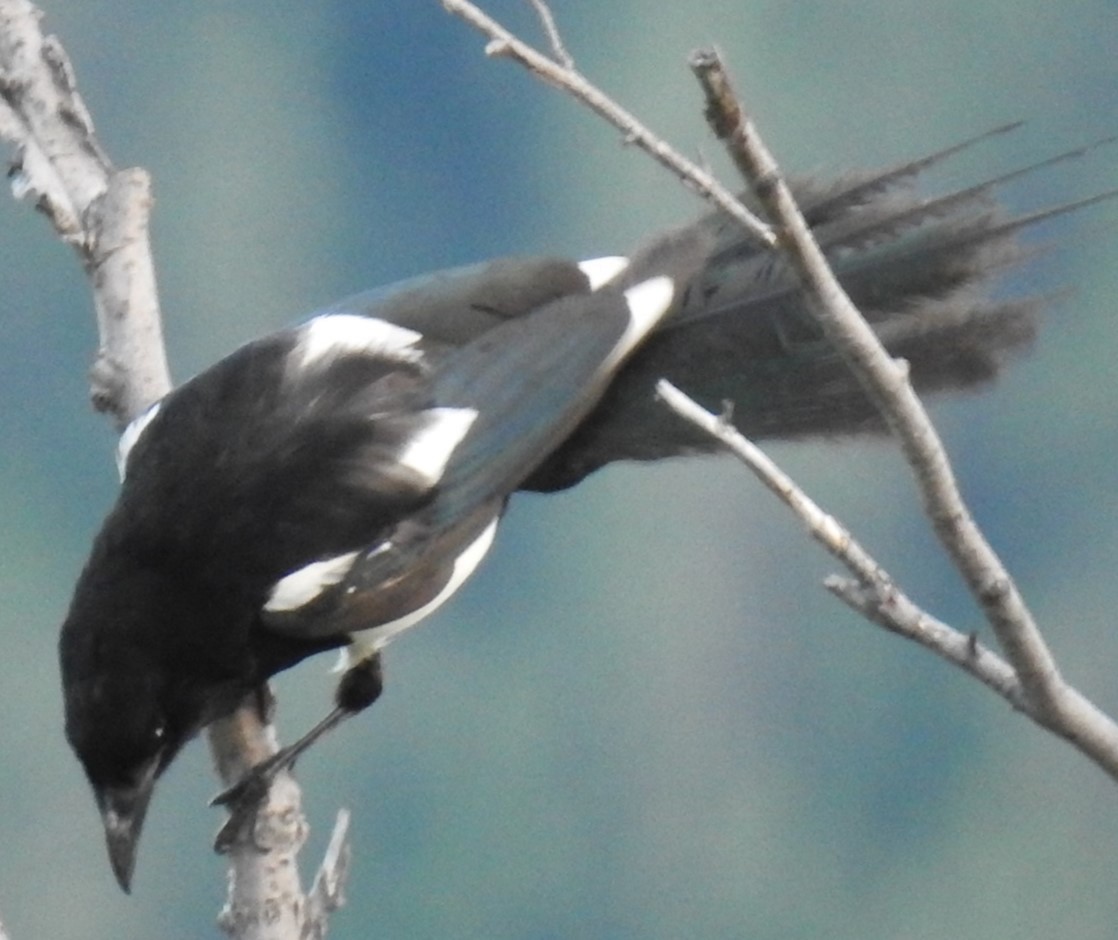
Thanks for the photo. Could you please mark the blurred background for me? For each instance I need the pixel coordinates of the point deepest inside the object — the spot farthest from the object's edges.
(644, 717)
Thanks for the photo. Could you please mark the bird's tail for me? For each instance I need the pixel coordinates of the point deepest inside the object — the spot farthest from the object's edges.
(921, 270)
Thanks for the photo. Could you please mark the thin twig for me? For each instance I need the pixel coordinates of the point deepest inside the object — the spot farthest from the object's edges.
(503, 43)
(327, 893)
(873, 593)
(554, 37)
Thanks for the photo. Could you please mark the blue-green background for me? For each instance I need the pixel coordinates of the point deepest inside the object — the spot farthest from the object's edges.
(644, 718)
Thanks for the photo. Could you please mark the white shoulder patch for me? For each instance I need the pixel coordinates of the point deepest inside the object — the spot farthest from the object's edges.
(648, 302)
(601, 271)
(333, 334)
(302, 586)
(427, 451)
(130, 435)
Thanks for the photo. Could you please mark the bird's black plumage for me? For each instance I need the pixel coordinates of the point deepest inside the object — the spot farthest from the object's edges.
(333, 483)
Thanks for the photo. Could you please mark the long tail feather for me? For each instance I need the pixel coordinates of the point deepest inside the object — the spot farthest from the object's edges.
(922, 270)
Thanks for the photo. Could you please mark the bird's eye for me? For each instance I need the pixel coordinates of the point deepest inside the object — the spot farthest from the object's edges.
(159, 732)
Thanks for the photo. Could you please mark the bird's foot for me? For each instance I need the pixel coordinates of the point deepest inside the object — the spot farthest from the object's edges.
(253, 787)
(244, 798)
(359, 688)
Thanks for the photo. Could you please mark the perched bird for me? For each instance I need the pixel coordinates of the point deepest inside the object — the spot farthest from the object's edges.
(332, 484)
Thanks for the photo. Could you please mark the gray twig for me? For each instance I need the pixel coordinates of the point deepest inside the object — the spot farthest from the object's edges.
(505, 44)
(327, 893)
(558, 47)
(873, 593)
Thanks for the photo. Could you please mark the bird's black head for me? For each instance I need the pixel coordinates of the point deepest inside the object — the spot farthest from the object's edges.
(117, 728)
(123, 719)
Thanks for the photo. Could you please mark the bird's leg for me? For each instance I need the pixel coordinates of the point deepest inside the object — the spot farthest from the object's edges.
(253, 786)
(265, 703)
(359, 687)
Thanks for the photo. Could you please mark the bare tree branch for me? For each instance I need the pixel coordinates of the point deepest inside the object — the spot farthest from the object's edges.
(327, 893)
(1033, 682)
(264, 900)
(103, 214)
(1052, 702)
(558, 49)
(565, 76)
(871, 592)
(100, 212)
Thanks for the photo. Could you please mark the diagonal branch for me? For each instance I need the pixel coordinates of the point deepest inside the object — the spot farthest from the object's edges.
(564, 75)
(1052, 702)
(873, 593)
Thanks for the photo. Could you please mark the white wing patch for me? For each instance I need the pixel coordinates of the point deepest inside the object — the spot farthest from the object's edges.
(302, 586)
(333, 334)
(362, 645)
(129, 437)
(429, 448)
(648, 302)
(601, 271)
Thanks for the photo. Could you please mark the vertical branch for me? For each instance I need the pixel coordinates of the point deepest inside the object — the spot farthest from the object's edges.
(130, 372)
(103, 213)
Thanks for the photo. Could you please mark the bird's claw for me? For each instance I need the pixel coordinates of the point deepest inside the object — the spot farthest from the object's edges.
(246, 796)
(243, 800)
(238, 829)
(251, 789)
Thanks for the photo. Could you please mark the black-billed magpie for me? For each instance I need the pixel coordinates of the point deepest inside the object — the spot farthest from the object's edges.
(332, 484)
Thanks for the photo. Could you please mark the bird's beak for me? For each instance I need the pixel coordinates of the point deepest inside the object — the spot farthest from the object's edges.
(122, 811)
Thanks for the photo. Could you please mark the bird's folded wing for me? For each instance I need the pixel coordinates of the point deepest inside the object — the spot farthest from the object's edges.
(497, 406)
